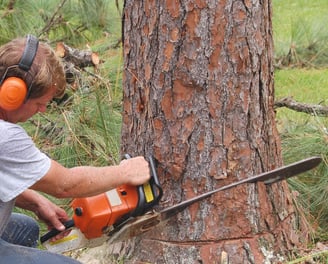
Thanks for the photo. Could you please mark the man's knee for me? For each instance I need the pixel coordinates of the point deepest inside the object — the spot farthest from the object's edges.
(21, 230)
(10, 253)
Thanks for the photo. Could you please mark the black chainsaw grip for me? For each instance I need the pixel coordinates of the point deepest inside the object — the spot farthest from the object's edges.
(144, 206)
(54, 232)
(155, 181)
(157, 190)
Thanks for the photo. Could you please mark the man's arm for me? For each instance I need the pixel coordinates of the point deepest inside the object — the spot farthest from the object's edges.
(84, 181)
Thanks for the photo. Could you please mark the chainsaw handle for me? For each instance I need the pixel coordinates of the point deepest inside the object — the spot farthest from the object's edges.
(155, 181)
(54, 232)
(156, 188)
(144, 206)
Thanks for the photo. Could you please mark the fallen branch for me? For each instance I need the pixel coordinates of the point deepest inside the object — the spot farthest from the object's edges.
(80, 58)
(75, 61)
(302, 107)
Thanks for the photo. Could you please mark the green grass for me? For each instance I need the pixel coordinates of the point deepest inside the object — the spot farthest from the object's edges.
(288, 13)
(303, 85)
(308, 85)
(301, 60)
(299, 28)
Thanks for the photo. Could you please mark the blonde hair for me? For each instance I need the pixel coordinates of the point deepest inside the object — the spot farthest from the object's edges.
(46, 72)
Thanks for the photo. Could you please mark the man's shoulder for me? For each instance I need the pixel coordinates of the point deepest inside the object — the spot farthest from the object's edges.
(7, 126)
(9, 131)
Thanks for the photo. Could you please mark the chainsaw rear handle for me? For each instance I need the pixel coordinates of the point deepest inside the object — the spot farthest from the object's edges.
(156, 189)
(54, 232)
(143, 205)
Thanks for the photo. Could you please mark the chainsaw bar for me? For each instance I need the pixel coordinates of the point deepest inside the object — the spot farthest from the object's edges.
(139, 225)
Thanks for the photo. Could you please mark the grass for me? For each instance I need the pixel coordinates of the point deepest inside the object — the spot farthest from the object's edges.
(299, 28)
(300, 37)
(304, 85)
(308, 85)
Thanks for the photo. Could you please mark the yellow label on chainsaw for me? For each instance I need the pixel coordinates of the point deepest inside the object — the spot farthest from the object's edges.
(148, 192)
(64, 239)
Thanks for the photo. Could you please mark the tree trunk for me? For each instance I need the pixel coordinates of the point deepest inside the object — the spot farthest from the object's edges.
(199, 97)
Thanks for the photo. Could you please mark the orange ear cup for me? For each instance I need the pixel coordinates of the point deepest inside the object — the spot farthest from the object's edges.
(12, 93)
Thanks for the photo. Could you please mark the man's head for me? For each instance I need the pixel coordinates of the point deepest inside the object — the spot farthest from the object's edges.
(45, 75)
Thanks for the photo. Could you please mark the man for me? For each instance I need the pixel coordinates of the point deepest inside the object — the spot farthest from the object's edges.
(31, 76)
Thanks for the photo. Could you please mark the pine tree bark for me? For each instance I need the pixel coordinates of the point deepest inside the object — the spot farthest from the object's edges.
(199, 97)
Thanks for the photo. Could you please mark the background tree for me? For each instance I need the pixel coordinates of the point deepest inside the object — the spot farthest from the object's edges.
(199, 96)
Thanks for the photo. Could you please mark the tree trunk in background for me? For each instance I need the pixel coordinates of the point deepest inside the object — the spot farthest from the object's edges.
(199, 96)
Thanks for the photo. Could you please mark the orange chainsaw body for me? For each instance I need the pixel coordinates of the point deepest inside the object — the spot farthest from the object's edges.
(107, 213)
(92, 215)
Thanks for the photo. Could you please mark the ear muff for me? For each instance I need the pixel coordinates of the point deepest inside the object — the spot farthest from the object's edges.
(13, 92)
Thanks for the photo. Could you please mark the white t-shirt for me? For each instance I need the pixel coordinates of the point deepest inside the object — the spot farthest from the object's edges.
(21, 165)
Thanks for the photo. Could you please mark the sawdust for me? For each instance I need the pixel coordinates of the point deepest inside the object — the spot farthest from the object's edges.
(91, 255)
(105, 254)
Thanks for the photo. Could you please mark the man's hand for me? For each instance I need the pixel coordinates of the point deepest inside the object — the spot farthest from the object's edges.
(46, 211)
(54, 217)
(136, 170)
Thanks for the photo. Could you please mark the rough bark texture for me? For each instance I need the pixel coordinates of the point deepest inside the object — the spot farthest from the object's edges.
(198, 96)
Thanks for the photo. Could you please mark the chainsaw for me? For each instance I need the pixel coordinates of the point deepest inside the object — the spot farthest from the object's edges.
(128, 211)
